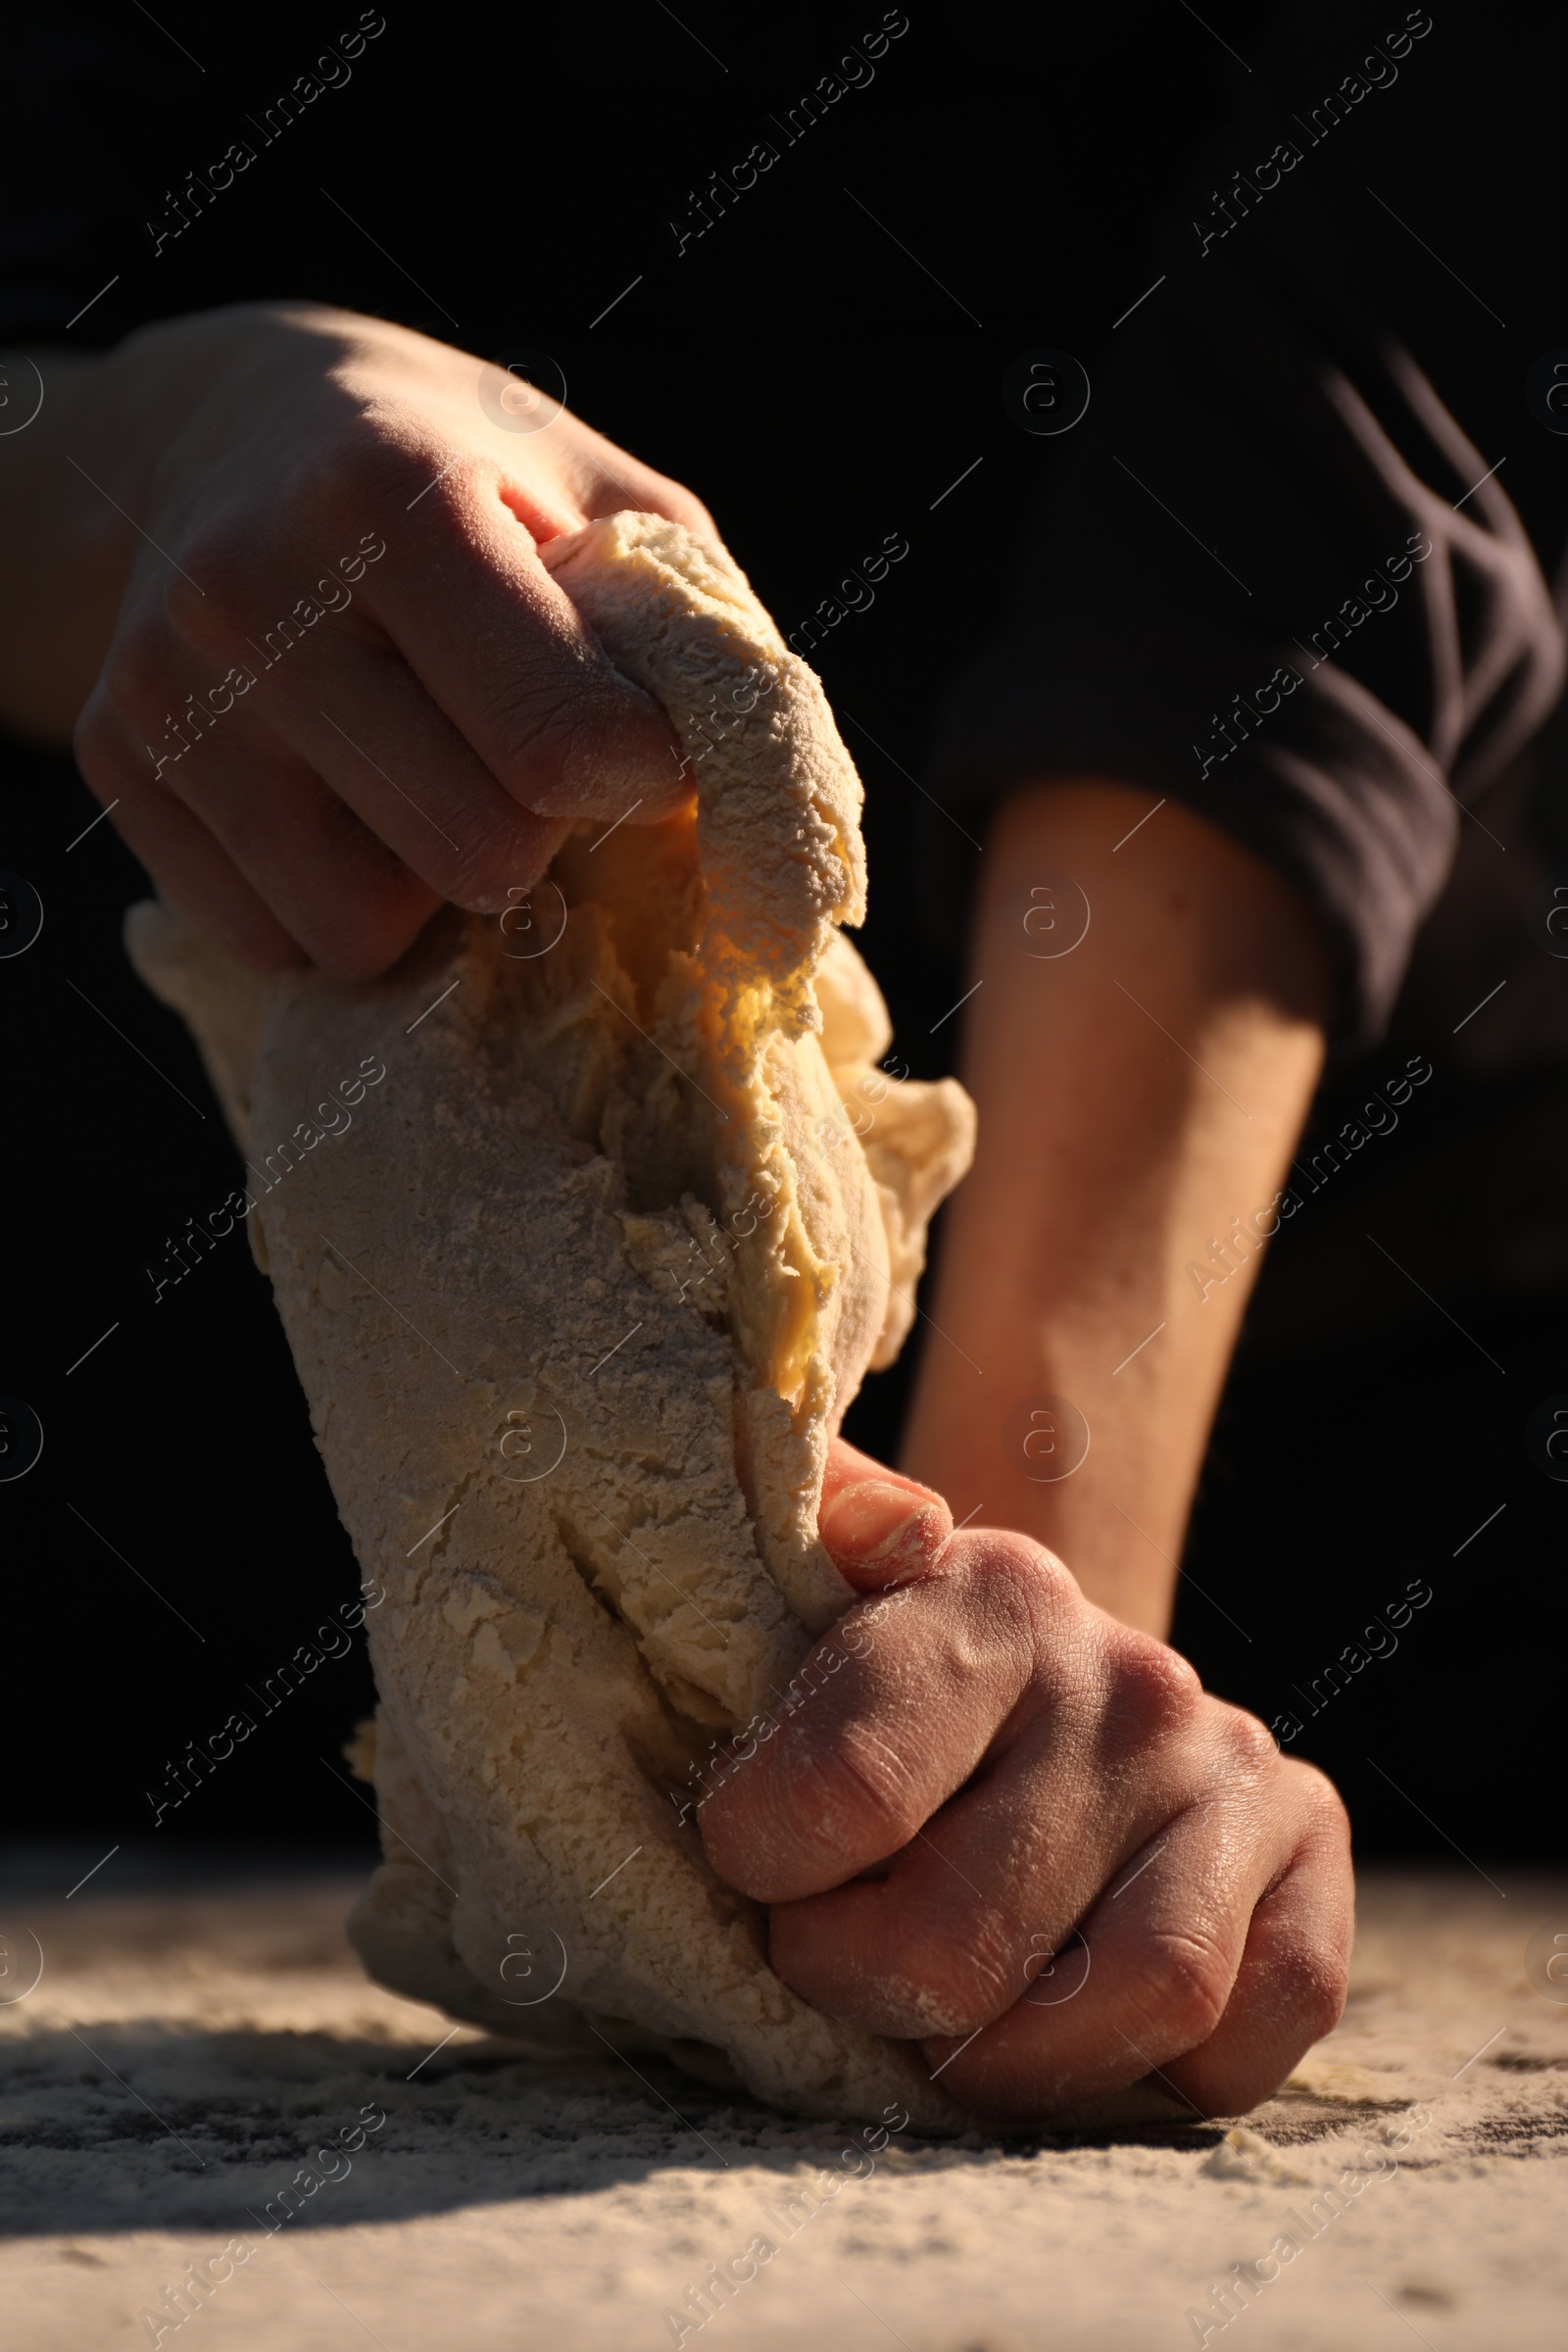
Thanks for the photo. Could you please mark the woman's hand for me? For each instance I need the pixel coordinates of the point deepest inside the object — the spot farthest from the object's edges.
(337, 685)
(1094, 1872)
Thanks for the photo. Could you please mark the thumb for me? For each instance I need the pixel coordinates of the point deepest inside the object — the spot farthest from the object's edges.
(879, 1528)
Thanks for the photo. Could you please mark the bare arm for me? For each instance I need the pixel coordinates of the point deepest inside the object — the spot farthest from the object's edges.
(1137, 1097)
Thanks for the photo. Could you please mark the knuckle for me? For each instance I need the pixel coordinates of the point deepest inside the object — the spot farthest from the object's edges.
(808, 1818)
(1304, 1962)
(378, 455)
(1183, 1989)
(802, 1821)
(1247, 1744)
(533, 724)
(980, 1631)
(682, 506)
(1050, 1582)
(1017, 1580)
(1156, 1693)
(220, 558)
(1317, 1988)
(566, 740)
(858, 1798)
(1326, 1814)
(956, 1980)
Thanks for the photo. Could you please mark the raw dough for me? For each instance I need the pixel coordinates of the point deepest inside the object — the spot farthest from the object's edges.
(578, 1288)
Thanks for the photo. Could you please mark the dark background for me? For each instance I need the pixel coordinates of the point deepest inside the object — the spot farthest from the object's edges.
(819, 386)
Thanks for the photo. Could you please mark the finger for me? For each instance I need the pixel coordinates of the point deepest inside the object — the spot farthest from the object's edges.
(505, 654)
(349, 901)
(1148, 1979)
(1290, 1986)
(332, 880)
(192, 871)
(896, 1727)
(353, 713)
(1068, 1793)
(879, 1527)
(607, 480)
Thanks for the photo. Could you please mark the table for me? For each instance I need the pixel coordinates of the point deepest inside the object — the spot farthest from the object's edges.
(190, 2051)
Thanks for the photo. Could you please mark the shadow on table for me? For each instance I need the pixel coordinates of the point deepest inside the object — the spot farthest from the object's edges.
(141, 2125)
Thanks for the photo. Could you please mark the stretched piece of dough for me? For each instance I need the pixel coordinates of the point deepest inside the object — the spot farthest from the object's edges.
(578, 1288)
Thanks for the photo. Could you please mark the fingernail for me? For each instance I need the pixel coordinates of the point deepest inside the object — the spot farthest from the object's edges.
(868, 1520)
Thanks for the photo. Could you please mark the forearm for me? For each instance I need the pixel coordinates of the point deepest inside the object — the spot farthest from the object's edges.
(1139, 1101)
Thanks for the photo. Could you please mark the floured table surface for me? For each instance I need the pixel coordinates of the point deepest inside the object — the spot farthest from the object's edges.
(185, 2058)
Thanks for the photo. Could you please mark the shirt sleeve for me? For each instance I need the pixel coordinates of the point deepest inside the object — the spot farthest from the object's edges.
(1274, 575)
